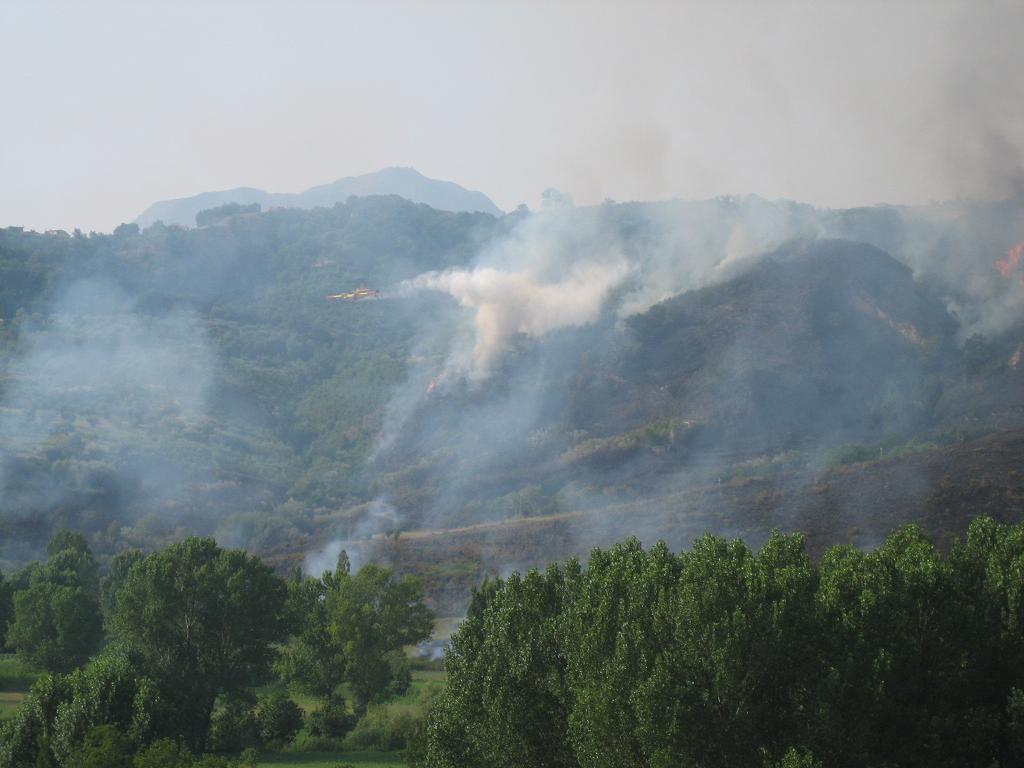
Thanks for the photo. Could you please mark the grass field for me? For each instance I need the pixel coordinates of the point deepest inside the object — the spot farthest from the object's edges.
(13, 676)
(14, 681)
(9, 701)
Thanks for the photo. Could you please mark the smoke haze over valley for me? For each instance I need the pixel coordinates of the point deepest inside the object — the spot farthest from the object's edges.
(670, 353)
(447, 384)
(596, 369)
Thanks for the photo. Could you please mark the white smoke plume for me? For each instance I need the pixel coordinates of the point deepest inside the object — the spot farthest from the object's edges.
(378, 518)
(508, 303)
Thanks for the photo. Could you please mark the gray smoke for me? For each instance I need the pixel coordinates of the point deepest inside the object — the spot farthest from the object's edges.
(121, 380)
(976, 123)
(561, 287)
(522, 307)
(377, 519)
(521, 301)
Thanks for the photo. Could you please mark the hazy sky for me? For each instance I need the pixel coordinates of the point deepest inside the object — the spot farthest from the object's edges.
(109, 107)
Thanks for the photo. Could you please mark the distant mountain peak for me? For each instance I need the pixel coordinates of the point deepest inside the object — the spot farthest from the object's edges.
(394, 180)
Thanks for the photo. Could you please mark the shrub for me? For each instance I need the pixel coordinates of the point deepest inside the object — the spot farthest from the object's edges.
(416, 742)
(332, 720)
(278, 719)
(320, 744)
(795, 759)
(380, 729)
(165, 753)
(850, 453)
(104, 747)
(233, 727)
(213, 761)
(401, 676)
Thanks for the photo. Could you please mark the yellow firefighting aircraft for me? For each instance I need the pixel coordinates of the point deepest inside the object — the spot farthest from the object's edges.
(362, 292)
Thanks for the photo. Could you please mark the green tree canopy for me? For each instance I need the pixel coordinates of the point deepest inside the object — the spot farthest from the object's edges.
(506, 703)
(352, 625)
(370, 615)
(56, 627)
(117, 573)
(103, 747)
(6, 607)
(59, 712)
(56, 624)
(724, 656)
(67, 540)
(312, 662)
(205, 621)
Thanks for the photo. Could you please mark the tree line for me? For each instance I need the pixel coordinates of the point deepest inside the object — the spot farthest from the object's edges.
(723, 656)
(157, 659)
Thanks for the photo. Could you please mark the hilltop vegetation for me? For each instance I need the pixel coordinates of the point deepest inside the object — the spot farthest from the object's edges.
(163, 382)
(166, 382)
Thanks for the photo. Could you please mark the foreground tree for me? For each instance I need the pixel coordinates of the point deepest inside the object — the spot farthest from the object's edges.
(56, 624)
(313, 663)
(351, 627)
(893, 639)
(6, 607)
(504, 704)
(371, 615)
(205, 621)
(722, 656)
(117, 573)
(59, 711)
(68, 550)
(56, 628)
(103, 747)
(734, 657)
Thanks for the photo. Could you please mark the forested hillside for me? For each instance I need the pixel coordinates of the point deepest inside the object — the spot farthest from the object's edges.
(171, 381)
(179, 380)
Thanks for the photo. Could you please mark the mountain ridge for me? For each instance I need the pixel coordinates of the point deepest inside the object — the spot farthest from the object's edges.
(404, 182)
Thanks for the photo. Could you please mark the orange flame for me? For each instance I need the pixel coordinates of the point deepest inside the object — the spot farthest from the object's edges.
(1012, 260)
